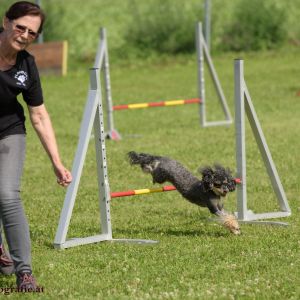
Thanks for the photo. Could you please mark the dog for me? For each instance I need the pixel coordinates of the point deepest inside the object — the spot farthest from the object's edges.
(209, 192)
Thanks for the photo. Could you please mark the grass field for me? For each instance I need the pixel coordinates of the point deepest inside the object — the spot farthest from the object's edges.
(195, 258)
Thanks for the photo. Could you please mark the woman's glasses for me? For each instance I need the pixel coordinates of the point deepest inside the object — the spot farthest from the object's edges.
(20, 29)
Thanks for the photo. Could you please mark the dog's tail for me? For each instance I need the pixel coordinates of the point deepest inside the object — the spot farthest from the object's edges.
(141, 158)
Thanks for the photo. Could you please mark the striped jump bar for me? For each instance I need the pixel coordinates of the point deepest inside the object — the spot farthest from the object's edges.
(142, 191)
(166, 188)
(156, 104)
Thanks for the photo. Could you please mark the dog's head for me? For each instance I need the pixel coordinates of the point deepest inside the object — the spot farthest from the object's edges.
(218, 179)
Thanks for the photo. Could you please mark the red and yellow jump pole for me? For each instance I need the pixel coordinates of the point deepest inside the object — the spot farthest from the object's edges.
(166, 188)
(156, 104)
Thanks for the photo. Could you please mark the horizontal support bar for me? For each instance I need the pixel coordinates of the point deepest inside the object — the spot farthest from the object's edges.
(269, 215)
(255, 222)
(83, 241)
(99, 238)
(251, 216)
(218, 123)
(134, 241)
(156, 104)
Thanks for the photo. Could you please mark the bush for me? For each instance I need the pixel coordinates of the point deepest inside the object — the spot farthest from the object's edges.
(163, 26)
(256, 25)
(80, 24)
(136, 27)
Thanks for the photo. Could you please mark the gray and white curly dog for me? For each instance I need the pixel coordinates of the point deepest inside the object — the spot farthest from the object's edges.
(209, 192)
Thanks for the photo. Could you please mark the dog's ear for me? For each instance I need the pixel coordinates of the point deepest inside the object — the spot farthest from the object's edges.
(207, 177)
(231, 180)
(231, 184)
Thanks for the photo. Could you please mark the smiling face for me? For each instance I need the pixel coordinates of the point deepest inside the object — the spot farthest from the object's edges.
(21, 32)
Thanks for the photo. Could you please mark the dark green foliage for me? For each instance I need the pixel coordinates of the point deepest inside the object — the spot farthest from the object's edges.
(255, 25)
(53, 28)
(144, 27)
(163, 26)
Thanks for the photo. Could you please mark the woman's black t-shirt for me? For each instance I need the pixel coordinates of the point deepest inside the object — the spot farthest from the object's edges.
(23, 78)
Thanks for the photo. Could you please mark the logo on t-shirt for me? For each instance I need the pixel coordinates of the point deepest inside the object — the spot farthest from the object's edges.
(21, 76)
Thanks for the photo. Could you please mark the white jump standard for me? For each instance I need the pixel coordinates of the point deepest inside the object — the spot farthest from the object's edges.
(102, 62)
(93, 117)
(203, 52)
(243, 103)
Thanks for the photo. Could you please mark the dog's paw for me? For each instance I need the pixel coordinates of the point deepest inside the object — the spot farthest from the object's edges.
(230, 222)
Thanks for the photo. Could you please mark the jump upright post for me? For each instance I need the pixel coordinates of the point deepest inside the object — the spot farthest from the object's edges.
(92, 118)
(202, 54)
(244, 104)
(102, 62)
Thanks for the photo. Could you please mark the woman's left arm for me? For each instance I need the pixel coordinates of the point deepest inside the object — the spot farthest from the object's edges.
(41, 122)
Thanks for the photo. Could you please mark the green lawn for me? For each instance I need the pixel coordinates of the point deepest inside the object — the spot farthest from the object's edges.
(195, 258)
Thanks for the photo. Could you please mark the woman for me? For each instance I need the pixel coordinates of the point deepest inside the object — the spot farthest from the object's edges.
(18, 75)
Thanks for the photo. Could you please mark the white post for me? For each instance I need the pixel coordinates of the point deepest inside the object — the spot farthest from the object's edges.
(244, 104)
(203, 53)
(200, 68)
(41, 36)
(102, 62)
(240, 138)
(112, 132)
(103, 183)
(92, 106)
(93, 116)
(207, 18)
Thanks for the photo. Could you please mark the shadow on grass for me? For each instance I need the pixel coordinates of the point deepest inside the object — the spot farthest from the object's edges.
(170, 232)
(143, 232)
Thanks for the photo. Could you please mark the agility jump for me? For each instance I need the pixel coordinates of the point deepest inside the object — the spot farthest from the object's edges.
(93, 117)
(102, 63)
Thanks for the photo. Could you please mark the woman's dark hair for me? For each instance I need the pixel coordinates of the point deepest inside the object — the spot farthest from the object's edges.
(25, 8)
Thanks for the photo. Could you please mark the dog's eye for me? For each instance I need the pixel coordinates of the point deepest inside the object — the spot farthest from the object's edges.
(217, 184)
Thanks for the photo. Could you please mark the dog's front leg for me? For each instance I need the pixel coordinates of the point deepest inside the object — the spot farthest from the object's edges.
(213, 207)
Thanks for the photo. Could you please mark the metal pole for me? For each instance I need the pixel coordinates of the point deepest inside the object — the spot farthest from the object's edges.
(240, 138)
(102, 62)
(103, 183)
(200, 65)
(244, 104)
(207, 18)
(265, 153)
(218, 87)
(41, 37)
(84, 136)
(110, 121)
